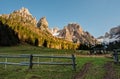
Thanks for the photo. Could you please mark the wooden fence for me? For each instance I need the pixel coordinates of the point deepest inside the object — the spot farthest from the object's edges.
(116, 55)
(30, 61)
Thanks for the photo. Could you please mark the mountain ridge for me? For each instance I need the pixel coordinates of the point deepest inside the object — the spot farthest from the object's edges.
(73, 32)
(24, 28)
(111, 36)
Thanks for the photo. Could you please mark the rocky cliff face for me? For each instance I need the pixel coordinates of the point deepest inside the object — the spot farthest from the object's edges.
(25, 15)
(73, 32)
(22, 15)
(115, 30)
(42, 23)
(111, 36)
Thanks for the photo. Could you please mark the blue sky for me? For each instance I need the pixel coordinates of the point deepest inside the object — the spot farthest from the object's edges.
(94, 16)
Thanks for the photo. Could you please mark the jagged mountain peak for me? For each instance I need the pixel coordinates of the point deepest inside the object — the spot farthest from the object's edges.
(74, 27)
(24, 16)
(115, 30)
(111, 36)
(74, 32)
(23, 10)
(43, 23)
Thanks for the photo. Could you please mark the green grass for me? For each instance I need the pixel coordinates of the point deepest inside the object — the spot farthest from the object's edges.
(117, 68)
(28, 49)
(96, 71)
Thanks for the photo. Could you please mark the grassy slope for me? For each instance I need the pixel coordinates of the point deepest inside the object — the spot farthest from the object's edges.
(28, 49)
(51, 72)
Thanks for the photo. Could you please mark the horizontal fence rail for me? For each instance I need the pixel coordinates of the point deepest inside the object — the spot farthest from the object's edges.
(30, 61)
(8, 56)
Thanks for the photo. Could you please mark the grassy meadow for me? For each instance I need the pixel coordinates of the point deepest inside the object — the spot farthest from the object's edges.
(92, 67)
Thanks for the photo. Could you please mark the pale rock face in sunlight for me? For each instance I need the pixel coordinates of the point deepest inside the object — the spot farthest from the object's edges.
(74, 32)
(24, 12)
(43, 24)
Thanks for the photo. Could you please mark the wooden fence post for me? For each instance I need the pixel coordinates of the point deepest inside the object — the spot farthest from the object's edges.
(30, 61)
(73, 61)
(5, 62)
(116, 57)
(38, 61)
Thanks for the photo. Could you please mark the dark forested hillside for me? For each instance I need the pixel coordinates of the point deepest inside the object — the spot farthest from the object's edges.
(7, 36)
